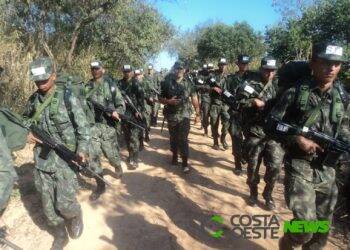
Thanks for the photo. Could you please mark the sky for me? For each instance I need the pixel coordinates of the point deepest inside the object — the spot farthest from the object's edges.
(187, 14)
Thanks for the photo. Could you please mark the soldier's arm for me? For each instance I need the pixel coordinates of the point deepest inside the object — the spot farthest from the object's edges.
(82, 128)
(29, 108)
(119, 103)
(344, 130)
(194, 99)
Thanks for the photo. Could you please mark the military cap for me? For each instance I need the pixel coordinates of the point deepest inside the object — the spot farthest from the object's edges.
(137, 72)
(40, 69)
(210, 66)
(150, 66)
(222, 61)
(127, 68)
(268, 62)
(328, 51)
(96, 64)
(179, 65)
(243, 59)
(205, 66)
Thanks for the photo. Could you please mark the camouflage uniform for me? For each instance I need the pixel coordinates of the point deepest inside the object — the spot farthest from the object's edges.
(204, 90)
(310, 189)
(259, 146)
(103, 130)
(178, 117)
(218, 109)
(235, 129)
(7, 173)
(132, 134)
(154, 81)
(64, 119)
(146, 86)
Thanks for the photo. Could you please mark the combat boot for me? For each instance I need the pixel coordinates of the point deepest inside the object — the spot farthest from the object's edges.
(216, 143)
(223, 141)
(76, 226)
(269, 202)
(118, 170)
(253, 198)
(100, 189)
(185, 167)
(60, 237)
(175, 160)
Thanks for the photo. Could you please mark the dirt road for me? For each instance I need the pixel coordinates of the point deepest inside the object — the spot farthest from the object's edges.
(153, 207)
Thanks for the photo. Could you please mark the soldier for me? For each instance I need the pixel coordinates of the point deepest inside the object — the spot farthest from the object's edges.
(176, 93)
(103, 90)
(135, 107)
(234, 81)
(255, 99)
(154, 80)
(204, 90)
(146, 86)
(218, 109)
(57, 111)
(317, 102)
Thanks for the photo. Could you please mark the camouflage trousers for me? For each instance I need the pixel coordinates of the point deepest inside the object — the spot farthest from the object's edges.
(205, 109)
(178, 132)
(237, 140)
(311, 193)
(104, 141)
(218, 112)
(7, 173)
(269, 151)
(58, 191)
(154, 113)
(132, 137)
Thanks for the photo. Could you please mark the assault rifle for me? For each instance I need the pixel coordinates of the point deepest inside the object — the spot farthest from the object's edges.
(51, 144)
(129, 103)
(4, 241)
(63, 152)
(109, 110)
(327, 142)
(227, 97)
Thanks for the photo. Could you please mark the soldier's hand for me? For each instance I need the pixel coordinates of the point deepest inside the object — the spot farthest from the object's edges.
(217, 90)
(138, 115)
(31, 139)
(115, 116)
(151, 100)
(82, 158)
(258, 103)
(307, 145)
(173, 101)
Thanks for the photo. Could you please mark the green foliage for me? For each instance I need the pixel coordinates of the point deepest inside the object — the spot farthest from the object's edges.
(221, 40)
(325, 20)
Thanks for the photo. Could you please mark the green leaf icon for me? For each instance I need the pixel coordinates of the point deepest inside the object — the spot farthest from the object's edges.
(218, 234)
(218, 219)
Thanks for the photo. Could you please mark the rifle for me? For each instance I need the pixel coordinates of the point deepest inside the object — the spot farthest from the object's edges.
(6, 242)
(332, 146)
(227, 97)
(133, 107)
(109, 110)
(63, 152)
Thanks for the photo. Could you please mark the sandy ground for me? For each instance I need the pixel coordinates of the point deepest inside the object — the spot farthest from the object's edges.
(153, 207)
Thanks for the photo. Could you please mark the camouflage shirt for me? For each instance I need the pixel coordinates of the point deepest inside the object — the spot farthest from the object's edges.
(63, 119)
(136, 94)
(287, 110)
(101, 92)
(221, 82)
(253, 118)
(184, 90)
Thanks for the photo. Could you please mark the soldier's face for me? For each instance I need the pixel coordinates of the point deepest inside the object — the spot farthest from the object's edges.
(46, 85)
(139, 77)
(97, 72)
(127, 75)
(179, 73)
(267, 74)
(242, 67)
(222, 67)
(325, 71)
